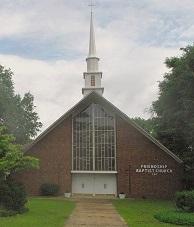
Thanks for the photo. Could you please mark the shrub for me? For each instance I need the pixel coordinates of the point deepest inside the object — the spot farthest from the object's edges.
(7, 213)
(12, 196)
(185, 201)
(176, 217)
(49, 189)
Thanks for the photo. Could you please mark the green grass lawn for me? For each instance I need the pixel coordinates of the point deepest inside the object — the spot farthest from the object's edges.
(140, 212)
(42, 213)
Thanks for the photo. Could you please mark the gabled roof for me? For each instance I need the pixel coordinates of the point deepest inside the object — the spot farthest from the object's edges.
(94, 97)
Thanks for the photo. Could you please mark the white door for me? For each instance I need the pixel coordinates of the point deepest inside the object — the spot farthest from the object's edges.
(82, 183)
(105, 184)
(94, 183)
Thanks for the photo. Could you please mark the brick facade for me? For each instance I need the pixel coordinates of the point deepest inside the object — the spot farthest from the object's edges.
(133, 150)
(54, 153)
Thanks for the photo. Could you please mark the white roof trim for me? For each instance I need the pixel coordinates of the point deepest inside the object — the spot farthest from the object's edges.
(87, 171)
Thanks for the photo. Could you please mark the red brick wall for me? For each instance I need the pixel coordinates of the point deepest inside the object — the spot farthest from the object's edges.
(54, 153)
(133, 150)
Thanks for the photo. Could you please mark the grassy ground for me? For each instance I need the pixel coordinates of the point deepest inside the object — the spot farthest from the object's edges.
(42, 213)
(139, 213)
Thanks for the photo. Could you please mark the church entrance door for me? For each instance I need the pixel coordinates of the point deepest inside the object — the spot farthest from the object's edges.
(94, 183)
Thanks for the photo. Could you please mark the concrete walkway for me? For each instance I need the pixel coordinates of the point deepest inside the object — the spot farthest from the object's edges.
(95, 212)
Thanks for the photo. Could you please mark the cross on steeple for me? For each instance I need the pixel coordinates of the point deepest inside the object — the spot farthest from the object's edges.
(91, 5)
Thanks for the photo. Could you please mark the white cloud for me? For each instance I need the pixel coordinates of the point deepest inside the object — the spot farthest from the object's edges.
(55, 85)
(133, 39)
(130, 80)
(13, 24)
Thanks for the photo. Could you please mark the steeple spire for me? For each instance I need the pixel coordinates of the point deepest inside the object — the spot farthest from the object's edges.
(92, 46)
(92, 77)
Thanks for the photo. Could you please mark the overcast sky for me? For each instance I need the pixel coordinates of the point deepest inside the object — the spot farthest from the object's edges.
(45, 43)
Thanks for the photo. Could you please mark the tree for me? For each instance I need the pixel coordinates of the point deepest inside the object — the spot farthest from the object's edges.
(148, 125)
(12, 194)
(17, 113)
(174, 108)
(12, 159)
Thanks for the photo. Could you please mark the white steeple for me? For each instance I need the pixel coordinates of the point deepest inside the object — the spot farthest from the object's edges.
(92, 46)
(92, 77)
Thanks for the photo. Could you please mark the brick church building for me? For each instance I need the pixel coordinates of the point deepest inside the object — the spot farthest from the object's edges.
(94, 148)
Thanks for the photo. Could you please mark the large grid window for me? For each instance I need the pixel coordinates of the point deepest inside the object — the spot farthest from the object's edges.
(94, 140)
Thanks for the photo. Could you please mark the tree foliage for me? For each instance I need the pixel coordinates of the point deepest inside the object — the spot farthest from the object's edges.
(174, 108)
(147, 124)
(12, 159)
(17, 113)
(13, 198)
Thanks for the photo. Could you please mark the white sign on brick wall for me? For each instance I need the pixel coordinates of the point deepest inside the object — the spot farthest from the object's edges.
(154, 169)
